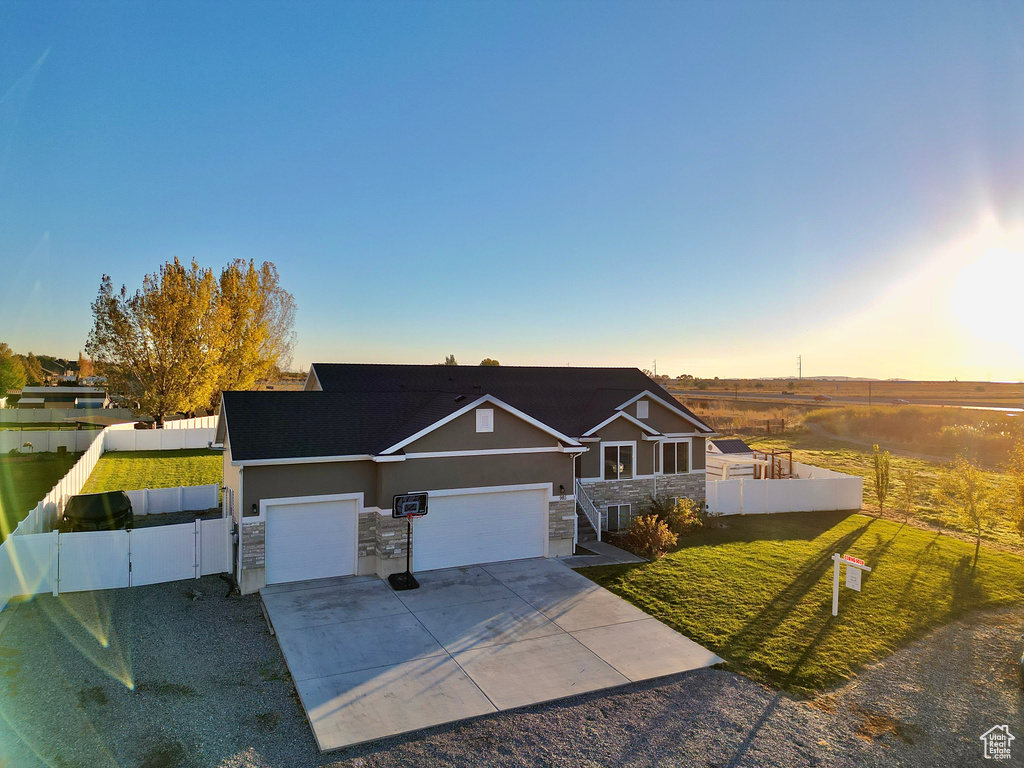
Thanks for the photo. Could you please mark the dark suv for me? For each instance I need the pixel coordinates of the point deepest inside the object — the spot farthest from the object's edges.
(109, 511)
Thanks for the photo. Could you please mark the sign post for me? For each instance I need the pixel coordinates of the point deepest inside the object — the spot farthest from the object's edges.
(407, 505)
(854, 567)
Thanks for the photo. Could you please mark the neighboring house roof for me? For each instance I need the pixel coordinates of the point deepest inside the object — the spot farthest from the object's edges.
(731, 445)
(364, 410)
(64, 390)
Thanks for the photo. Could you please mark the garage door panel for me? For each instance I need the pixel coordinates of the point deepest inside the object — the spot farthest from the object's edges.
(313, 540)
(465, 529)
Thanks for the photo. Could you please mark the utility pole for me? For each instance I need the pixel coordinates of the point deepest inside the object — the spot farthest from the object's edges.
(655, 369)
(800, 366)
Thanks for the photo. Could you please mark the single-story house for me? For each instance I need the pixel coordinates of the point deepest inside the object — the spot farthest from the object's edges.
(505, 454)
(63, 397)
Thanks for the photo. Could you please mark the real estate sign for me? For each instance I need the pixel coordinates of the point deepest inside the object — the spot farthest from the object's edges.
(853, 578)
(854, 567)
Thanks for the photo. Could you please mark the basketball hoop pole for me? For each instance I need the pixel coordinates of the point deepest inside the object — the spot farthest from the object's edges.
(408, 546)
(402, 581)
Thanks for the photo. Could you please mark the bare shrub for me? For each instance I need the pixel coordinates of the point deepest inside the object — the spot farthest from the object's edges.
(648, 537)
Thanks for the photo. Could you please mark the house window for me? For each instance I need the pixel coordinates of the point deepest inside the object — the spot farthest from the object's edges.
(484, 419)
(642, 409)
(619, 517)
(675, 458)
(618, 461)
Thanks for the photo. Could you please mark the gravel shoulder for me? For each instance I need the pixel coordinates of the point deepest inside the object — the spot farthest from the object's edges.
(211, 689)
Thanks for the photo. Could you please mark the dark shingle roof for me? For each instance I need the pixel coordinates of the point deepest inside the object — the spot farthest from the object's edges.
(278, 425)
(732, 445)
(366, 408)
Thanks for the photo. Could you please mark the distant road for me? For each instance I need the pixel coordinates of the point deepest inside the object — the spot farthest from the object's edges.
(776, 397)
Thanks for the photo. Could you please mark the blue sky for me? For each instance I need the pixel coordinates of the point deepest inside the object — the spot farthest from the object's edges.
(718, 186)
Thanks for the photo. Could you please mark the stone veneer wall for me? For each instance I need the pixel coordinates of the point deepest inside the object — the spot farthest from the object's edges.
(367, 546)
(390, 541)
(254, 542)
(561, 517)
(637, 491)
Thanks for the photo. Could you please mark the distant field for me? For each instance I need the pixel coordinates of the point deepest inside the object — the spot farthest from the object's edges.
(855, 460)
(986, 393)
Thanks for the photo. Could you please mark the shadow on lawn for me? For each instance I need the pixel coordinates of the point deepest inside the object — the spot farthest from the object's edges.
(798, 526)
(756, 631)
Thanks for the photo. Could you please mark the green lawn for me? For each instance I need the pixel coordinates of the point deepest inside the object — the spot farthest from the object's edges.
(758, 592)
(129, 471)
(24, 483)
(841, 456)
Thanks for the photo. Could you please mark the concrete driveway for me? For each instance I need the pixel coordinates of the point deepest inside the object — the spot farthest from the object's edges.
(369, 662)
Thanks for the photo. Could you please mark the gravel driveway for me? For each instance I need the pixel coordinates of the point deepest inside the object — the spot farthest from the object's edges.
(211, 689)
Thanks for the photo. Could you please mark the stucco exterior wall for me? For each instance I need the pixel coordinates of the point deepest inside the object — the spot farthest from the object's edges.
(473, 472)
(699, 453)
(619, 430)
(231, 480)
(281, 481)
(460, 434)
(662, 419)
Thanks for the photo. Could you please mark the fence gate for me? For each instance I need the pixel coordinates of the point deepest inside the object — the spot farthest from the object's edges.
(93, 560)
(162, 554)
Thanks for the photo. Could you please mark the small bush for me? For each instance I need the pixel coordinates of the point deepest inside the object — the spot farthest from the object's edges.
(648, 537)
(682, 516)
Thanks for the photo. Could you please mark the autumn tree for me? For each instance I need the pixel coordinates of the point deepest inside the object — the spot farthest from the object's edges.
(881, 460)
(450, 360)
(907, 495)
(35, 376)
(963, 486)
(12, 372)
(1015, 474)
(489, 362)
(258, 314)
(85, 367)
(161, 346)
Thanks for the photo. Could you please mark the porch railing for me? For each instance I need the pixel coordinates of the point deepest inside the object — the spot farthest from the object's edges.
(588, 508)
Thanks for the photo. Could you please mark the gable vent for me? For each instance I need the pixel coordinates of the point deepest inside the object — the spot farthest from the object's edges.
(484, 419)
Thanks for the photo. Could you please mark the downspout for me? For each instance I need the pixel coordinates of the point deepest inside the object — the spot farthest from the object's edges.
(654, 469)
(237, 526)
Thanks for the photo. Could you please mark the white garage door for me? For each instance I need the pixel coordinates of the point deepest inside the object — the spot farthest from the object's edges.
(465, 529)
(311, 540)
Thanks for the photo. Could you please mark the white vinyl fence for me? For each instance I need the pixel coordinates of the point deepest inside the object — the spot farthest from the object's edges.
(185, 498)
(811, 489)
(55, 563)
(120, 437)
(202, 422)
(46, 513)
(53, 415)
(47, 441)
(158, 439)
